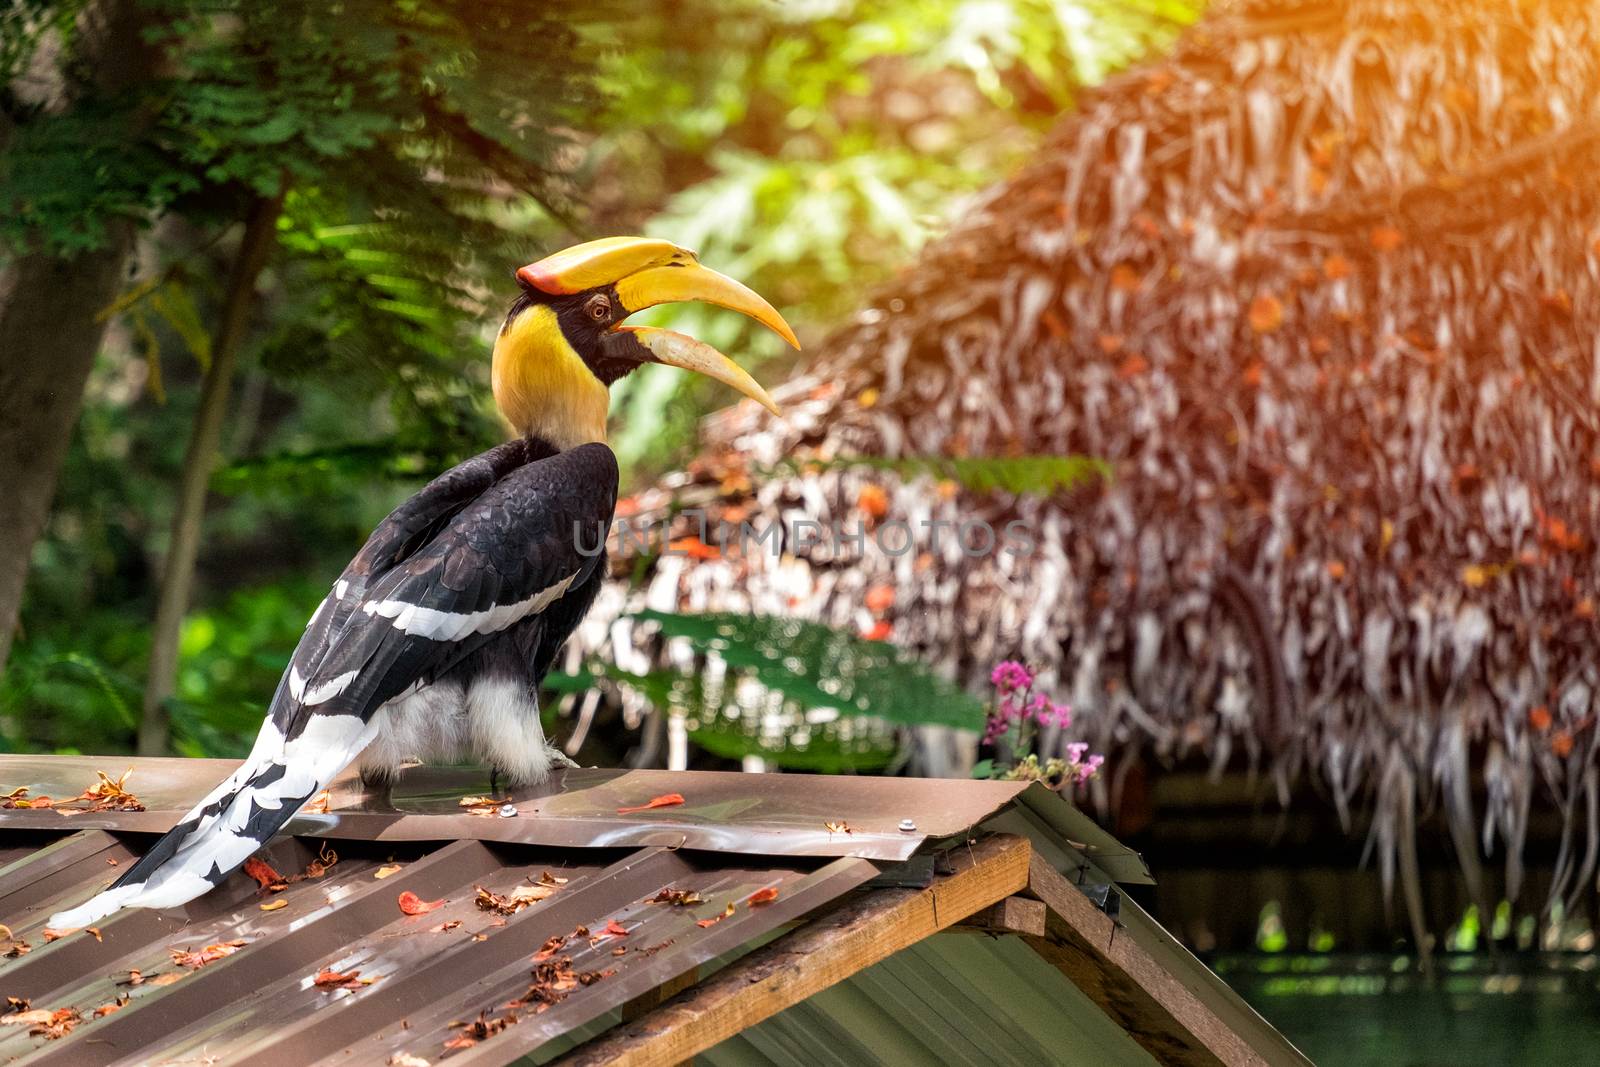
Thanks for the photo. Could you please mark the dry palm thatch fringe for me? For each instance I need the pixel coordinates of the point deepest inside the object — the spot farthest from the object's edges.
(1323, 287)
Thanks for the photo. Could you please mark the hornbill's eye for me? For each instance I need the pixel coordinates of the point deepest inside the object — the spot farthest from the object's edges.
(598, 308)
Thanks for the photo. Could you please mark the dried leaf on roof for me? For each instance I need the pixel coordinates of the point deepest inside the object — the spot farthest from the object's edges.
(12, 947)
(18, 799)
(330, 979)
(265, 875)
(480, 1029)
(484, 807)
(43, 1022)
(326, 858)
(198, 958)
(678, 898)
(510, 903)
(114, 1006)
(108, 794)
(137, 977)
(765, 895)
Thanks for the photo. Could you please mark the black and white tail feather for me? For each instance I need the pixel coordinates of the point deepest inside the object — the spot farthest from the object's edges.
(431, 643)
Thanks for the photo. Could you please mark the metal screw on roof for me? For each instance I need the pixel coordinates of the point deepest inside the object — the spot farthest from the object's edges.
(508, 811)
(908, 825)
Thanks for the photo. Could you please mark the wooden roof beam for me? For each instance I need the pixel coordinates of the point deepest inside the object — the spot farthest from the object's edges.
(1149, 984)
(852, 936)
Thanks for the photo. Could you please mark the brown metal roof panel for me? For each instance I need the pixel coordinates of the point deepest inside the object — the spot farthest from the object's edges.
(725, 811)
(286, 1018)
(662, 943)
(82, 973)
(259, 1003)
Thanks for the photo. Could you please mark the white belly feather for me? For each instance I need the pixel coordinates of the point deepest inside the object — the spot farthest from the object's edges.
(494, 721)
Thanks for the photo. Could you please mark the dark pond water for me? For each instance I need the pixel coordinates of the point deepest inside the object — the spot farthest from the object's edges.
(1377, 1011)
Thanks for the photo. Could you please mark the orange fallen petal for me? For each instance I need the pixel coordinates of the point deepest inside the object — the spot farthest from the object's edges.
(665, 800)
(715, 919)
(328, 978)
(763, 896)
(412, 904)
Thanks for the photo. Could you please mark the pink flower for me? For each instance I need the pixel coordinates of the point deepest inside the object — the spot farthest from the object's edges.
(1039, 708)
(1090, 767)
(1009, 676)
(1075, 752)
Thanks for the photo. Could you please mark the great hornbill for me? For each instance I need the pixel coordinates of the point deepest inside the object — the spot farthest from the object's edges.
(433, 641)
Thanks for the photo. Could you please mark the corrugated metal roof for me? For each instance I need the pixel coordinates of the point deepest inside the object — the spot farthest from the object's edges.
(259, 1004)
(772, 814)
(428, 981)
(430, 974)
(954, 999)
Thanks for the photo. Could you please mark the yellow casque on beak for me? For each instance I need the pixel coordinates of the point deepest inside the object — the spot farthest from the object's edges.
(647, 271)
(602, 262)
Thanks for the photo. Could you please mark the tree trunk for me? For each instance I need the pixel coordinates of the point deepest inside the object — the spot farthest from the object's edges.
(49, 325)
(177, 580)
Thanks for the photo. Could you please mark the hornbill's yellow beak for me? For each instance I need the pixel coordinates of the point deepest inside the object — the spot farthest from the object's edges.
(643, 272)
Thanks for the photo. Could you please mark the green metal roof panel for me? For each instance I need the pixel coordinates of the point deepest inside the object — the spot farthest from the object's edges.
(955, 998)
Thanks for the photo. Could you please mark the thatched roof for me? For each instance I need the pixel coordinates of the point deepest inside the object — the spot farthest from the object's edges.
(1323, 287)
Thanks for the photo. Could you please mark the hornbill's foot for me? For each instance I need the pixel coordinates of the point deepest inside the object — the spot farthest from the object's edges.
(557, 758)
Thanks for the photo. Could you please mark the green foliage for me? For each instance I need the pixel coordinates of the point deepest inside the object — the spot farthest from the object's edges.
(416, 143)
(426, 148)
(810, 149)
(1020, 475)
(386, 103)
(824, 668)
(321, 471)
(797, 693)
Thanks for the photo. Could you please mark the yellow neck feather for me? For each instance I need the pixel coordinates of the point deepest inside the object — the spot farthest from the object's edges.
(543, 387)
